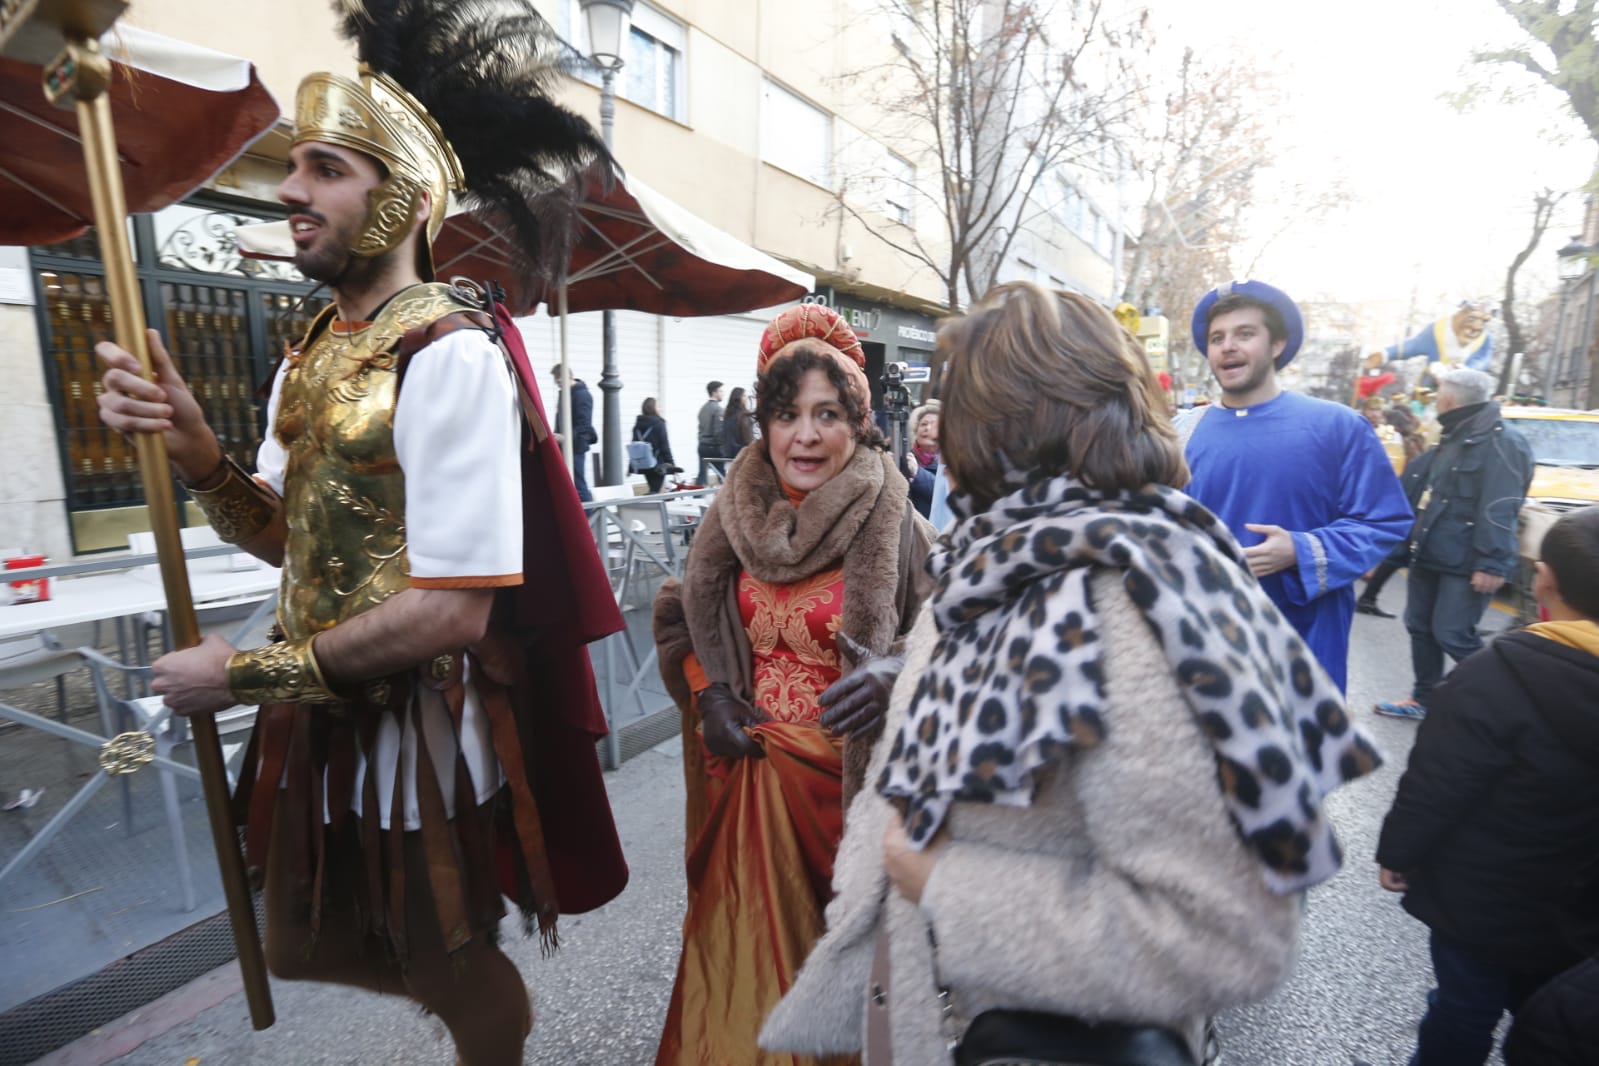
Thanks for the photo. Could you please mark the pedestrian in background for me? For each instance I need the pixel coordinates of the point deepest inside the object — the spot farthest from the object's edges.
(710, 429)
(738, 426)
(583, 435)
(809, 561)
(650, 428)
(921, 462)
(1302, 483)
(1049, 838)
(1494, 831)
(1371, 408)
(1408, 427)
(1465, 542)
(1558, 1025)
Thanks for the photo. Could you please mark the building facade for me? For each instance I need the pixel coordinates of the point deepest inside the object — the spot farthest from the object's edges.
(1572, 373)
(748, 114)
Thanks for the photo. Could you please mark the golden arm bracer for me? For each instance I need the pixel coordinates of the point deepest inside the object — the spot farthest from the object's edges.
(285, 672)
(239, 507)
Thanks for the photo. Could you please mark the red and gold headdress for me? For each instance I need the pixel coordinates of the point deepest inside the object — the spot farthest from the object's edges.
(816, 322)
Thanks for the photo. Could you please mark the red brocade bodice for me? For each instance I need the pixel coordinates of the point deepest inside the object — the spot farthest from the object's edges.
(792, 630)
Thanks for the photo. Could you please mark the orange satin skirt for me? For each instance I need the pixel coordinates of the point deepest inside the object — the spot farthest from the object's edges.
(759, 877)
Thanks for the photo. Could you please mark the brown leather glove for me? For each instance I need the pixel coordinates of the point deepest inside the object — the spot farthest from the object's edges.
(723, 718)
(859, 699)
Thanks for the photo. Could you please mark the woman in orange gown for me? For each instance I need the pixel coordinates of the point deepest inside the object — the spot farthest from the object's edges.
(778, 647)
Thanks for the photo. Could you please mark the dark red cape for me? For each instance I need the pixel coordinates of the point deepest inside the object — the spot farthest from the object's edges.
(565, 601)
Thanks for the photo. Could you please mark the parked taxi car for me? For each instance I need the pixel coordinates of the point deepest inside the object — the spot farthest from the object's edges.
(1565, 445)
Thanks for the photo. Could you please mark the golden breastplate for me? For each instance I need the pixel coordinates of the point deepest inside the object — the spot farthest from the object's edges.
(343, 491)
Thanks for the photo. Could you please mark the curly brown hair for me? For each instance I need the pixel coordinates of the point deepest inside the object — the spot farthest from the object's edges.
(776, 389)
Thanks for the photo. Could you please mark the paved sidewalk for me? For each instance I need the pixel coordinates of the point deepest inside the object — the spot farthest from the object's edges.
(600, 1000)
(1357, 993)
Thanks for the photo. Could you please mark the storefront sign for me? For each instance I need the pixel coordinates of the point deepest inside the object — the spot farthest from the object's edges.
(861, 319)
(883, 323)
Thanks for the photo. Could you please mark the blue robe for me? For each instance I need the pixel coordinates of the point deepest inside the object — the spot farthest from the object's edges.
(1317, 470)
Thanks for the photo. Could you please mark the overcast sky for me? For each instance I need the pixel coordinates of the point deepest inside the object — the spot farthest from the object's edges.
(1443, 197)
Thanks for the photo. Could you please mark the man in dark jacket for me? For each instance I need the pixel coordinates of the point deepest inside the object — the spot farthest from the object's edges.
(1464, 543)
(710, 428)
(1494, 833)
(584, 436)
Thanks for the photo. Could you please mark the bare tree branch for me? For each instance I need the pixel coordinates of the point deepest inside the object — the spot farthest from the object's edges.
(989, 93)
(1570, 38)
(1543, 207)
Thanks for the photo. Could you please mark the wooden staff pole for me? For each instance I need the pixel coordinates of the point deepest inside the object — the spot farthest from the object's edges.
(88, 74)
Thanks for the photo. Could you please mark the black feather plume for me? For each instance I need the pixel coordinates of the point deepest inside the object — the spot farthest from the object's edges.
(486, 71)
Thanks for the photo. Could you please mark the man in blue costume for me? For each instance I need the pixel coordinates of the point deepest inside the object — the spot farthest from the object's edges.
(1303, 484)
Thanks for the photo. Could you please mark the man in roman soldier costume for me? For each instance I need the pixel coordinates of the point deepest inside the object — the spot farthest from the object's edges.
(425, 742)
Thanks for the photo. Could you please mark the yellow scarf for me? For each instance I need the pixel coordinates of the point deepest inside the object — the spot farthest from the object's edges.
(1584, 636)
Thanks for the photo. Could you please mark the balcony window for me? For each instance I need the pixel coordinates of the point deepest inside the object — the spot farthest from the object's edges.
(899, 184)
(652, 74)
(796, 135)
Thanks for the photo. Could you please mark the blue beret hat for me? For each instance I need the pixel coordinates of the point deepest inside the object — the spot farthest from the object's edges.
(1266, 294)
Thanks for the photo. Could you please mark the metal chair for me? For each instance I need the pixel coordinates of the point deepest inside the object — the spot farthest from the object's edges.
(40, 657)
(648, 531)
(148, 714)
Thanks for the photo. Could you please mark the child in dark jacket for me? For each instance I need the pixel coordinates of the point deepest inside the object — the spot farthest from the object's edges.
(1495, 828)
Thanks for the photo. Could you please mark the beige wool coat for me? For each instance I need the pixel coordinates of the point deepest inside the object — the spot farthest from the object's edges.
(1122, 893)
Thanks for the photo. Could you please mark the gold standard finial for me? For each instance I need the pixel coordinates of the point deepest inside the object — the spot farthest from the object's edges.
(35, 31)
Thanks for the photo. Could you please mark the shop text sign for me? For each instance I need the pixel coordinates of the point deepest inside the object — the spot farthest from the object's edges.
(860, 319)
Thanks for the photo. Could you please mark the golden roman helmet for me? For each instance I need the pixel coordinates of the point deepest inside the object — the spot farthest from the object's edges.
(379, 118)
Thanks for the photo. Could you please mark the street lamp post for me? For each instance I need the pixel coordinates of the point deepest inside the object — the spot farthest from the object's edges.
(608, 25)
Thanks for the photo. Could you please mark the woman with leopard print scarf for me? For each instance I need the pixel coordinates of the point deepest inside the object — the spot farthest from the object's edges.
(1099, 789)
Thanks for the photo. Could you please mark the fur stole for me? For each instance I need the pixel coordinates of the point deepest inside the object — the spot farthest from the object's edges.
(862, 518)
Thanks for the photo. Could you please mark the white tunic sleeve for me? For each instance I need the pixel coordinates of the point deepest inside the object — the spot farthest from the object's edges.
(270, 459)
(457, 432)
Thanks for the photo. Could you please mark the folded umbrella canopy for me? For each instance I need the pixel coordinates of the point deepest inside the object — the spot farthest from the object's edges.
(635, 250)
(182, 113)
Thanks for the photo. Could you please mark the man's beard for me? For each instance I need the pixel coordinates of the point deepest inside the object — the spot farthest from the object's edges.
(1251, 383)
(325, 261)
(329, 259)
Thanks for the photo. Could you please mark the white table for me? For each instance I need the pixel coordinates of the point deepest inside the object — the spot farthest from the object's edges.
(212, 579)
(92, 598)
(119, 594)
(692, 508)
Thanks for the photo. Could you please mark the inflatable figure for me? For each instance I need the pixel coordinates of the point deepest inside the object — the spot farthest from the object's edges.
(1458, 339)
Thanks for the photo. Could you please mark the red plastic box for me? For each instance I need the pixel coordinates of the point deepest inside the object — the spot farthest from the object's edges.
(32, 591)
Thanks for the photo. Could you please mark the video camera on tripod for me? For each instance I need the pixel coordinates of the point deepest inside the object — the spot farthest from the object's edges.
(897, 402)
